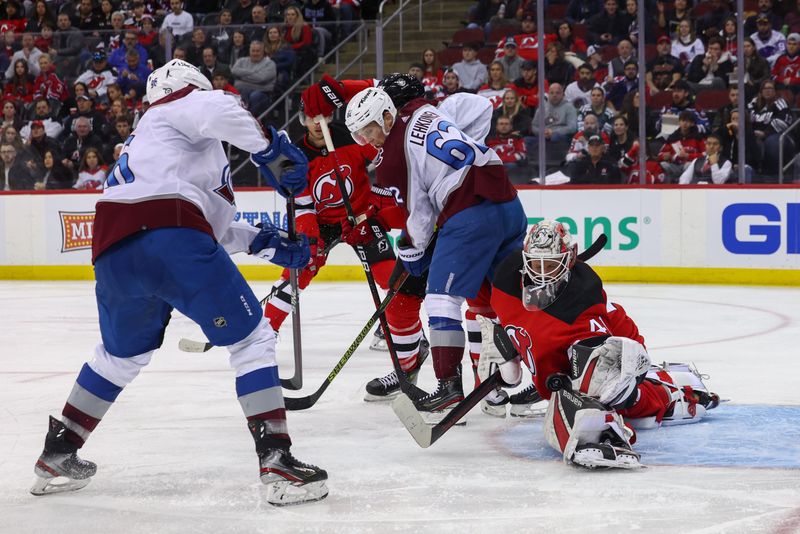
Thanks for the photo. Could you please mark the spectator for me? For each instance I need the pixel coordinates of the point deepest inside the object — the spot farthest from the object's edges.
(118, 59)
(16, 175)
(12, 137)
(116, 36)
(663, 70)
(48, 85)
(560, 117)
(728, 34)
(43, 112)
(596, 168)
(609, 26)
(511, 62)
(711, 23)
(595, 59)
(730, 142)
(222, 82)
(471, 72)
(317, 13)
(239, 47)
(278, 8)
(764, 10)
(10, 115)
(622, 85)
(556, 68)
(771, 116)
(621, 141)
(598, 107)
(630, 110)
(668, 20)
(496, 86)
(686, 45)
(508, 145)
(133, 77)
(527, 39)
(682, 100)
(98, 76)
(134, 20)
(713, 167)
(179, 22)
(67, 46)
(255, 78)
(786, 71)
(210, 63)
(682, 147)
(86, 109)
(44, 42)
(756, 68)
(122, 130)
(242, 12)
(578, 93)
(630, 168)
(770, 44)
(710, 70)
(580, 11)
(104, 17)
(20, 85)
(220, 35)
(257, 25)
(451, 83)
(432, 72)
(78, 142)
(41, 15)
(625, 53)
(28, 53)
(195, 47)
(580, 141)
(39, 143)
(723, 115)
(513, 109)
(92, 171)
(85, 17)
(54, 174)
(574, 47)
(298, 35)
(527, 86)
(14, 19)
(279, 51)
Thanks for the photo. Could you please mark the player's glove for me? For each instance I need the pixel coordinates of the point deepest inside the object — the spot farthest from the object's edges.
(415, 260)
(370, 228)
(283, 165)
(274, 245)
(322, 98)
(318, 256)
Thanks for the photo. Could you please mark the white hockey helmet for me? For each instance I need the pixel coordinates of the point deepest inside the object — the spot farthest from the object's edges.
(173, 76)
(548, 255)
(366, 107)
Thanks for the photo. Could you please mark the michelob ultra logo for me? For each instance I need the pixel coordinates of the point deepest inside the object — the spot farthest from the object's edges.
(76, 230)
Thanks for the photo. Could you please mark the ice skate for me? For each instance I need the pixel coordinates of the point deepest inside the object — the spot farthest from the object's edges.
(59, 468)
(611, 453)
(379, 341)
(527, 403)
(494, 403)
(387, 387)
(691, 397)
(449, 392)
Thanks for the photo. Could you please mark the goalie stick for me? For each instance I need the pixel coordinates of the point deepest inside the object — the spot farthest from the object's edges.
(303, 403)
(191, 345)
(426, 435)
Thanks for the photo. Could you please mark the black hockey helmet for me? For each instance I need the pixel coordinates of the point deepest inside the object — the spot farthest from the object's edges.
(402, 88)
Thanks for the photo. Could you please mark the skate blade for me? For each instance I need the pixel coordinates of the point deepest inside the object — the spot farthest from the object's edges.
(50, 485)
(590, 461)
(537, 409)
(368, 397)
(379, 345)
(286, 493)
(494, 411)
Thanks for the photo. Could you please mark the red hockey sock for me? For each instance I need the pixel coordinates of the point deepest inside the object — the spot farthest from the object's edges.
(405, 327)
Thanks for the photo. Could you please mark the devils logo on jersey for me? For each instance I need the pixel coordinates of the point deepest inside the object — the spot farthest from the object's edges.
(523, 344)
(326, 190)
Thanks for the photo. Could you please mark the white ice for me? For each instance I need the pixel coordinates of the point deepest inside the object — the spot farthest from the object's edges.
(174, 455)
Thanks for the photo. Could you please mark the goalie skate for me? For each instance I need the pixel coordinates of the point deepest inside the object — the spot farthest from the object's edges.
(59, 468)
(387, 387)
(612, 453)
(527, 403)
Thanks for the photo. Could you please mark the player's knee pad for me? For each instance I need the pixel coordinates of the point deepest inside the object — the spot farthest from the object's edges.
(256, 351)
(118, 371)
(574, 419)
(608, 368)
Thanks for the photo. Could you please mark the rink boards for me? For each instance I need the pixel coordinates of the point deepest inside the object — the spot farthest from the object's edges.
(701, 234)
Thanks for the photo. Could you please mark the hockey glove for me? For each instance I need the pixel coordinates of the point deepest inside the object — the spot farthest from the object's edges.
(323, 98)
(318, 256)
(415, 260)
(371, 228)
(274, 245)
(283, 165)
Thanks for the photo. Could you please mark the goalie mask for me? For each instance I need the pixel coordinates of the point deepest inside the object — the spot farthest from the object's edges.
(366, 107)
(548, 255)
(173, 76)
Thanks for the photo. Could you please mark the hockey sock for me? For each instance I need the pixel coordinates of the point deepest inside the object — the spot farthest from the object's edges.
(474, 339)
(406, 328)
(447, 345)
(279, 306)
(652, 400)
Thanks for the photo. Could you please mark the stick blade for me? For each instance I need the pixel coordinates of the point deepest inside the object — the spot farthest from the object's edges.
(405, 410)
(190, 345)
(293, 383)
(297, 404)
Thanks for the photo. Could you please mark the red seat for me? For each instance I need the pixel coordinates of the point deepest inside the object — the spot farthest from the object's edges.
(609, 52)
(579, 30)
(486, 54)
(450, 56)
(701, 9)
(501, 32)
(555, 12)
(660, 100)
(787, 95)
(650, 52)
(462, 37)
(711, 99)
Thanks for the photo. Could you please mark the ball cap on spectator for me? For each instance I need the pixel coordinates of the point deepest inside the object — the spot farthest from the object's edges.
(762, 17)
(37, 124)
(592, 50)
(529, 16)
(99, 55)
(528, 65)
(510, 42)
(596, 140)
(663, 39)
(84, 97)
(793, 37)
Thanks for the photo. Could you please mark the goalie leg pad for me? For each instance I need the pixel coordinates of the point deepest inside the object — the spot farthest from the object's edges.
(690, 397)
(587, 433)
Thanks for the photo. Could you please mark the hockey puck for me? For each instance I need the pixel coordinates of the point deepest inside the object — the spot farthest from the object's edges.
(558, 381)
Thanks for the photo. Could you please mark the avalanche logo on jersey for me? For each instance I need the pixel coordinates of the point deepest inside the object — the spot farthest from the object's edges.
(225, 190)
(523, 344)
(326, 189)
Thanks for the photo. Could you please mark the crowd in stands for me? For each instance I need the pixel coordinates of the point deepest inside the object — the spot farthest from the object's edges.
(591, 79)
(74, 71)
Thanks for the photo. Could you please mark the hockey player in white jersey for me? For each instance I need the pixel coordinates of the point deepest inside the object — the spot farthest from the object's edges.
(163, 233)
(452, 184)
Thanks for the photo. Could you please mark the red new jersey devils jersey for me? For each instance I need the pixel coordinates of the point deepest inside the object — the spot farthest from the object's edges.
(322, 199)
(542, 337)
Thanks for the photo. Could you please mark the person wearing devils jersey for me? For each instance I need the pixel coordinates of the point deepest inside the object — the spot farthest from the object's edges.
(553, 308)
(321, 215)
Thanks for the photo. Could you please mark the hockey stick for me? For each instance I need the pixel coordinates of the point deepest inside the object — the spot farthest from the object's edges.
(426, 435)
(191, 345)
(296, 381)
(303, 403)
(405, 385)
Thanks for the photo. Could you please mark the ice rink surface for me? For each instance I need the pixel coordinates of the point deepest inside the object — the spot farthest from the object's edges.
(174, 454)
